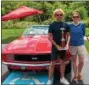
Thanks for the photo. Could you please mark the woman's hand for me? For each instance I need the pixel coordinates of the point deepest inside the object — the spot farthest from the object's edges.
(88, 38)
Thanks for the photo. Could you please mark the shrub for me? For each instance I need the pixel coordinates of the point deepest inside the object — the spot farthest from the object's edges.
(86, 22)
(83, 12)
(7, 25)
(16, 25)
(47, 22)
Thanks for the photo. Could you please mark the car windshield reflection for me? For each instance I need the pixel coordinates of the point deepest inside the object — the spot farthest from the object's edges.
(36, 30)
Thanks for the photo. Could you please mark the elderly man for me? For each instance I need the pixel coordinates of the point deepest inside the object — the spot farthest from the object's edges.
(57, 35)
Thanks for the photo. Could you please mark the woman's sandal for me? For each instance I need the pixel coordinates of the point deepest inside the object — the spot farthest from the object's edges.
(80, 77)
(75, 79)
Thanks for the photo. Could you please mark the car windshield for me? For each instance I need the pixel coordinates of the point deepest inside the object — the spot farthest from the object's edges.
(36, 30)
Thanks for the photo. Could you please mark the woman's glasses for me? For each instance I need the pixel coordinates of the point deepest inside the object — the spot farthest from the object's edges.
(75, 16)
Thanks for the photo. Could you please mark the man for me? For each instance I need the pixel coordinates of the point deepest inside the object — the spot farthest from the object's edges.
(57, 35)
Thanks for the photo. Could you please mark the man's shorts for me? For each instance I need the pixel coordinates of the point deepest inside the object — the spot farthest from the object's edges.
(57, 54)
(78, 50)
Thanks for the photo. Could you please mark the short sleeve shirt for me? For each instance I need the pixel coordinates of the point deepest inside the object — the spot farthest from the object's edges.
(77, 34)
(56, 28)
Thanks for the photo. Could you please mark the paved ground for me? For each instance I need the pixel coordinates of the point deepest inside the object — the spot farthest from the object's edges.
(85, 70)
(4, 68)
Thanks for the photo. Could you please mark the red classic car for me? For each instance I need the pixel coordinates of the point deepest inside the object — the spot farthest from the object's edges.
(31, 51)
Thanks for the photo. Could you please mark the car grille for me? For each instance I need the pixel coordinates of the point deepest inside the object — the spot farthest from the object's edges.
(32, 57)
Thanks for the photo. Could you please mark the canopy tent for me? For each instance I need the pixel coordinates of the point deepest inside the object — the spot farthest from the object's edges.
(21, 12)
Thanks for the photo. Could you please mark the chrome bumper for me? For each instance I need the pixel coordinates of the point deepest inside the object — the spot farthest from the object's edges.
(20, 64)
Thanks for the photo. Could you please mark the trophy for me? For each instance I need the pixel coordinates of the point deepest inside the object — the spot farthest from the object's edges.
(63, 39)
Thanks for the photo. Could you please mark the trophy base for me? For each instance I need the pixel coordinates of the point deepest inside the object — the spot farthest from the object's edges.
(63, 48)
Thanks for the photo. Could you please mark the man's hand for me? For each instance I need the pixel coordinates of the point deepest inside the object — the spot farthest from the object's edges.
(58, 47)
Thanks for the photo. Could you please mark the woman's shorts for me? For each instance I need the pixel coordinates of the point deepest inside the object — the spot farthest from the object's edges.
(78, 50)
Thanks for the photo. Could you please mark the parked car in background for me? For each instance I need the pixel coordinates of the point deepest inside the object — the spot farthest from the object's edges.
(31, 51)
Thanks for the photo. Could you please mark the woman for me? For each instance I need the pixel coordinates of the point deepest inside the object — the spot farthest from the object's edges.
(57, 36)
(77, 47)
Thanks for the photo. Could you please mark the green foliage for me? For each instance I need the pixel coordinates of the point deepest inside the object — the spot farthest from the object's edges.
(7, 25)
(86, 21)
(16, 25)
(76, 6)
(47, 7)
(87, 31)
(87, 46)
(47, 22)
(83, 12)
(86, 5)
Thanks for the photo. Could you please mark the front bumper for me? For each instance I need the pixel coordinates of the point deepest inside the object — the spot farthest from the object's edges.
(32, 65)
(20, 64)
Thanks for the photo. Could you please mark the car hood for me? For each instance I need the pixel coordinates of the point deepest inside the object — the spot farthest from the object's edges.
(36, 44)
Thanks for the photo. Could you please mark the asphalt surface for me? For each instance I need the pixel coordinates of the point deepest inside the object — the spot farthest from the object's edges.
(4, 67)
(85, 71)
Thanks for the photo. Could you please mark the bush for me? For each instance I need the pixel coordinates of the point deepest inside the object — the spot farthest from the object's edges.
(16, 25)
(86, 22)
(47, 22)
(7, 25)
(83, 12)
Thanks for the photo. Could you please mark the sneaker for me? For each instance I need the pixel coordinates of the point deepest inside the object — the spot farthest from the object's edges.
(49, 82)
(64, 81)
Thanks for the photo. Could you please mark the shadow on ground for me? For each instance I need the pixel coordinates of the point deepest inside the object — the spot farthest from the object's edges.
(77, 83)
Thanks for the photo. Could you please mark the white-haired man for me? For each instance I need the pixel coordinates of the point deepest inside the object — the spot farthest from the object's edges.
(57, 35)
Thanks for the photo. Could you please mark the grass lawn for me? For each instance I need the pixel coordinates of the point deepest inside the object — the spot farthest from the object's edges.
(87, 42)
(87, 31)
(10, 34)
(87, 45)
